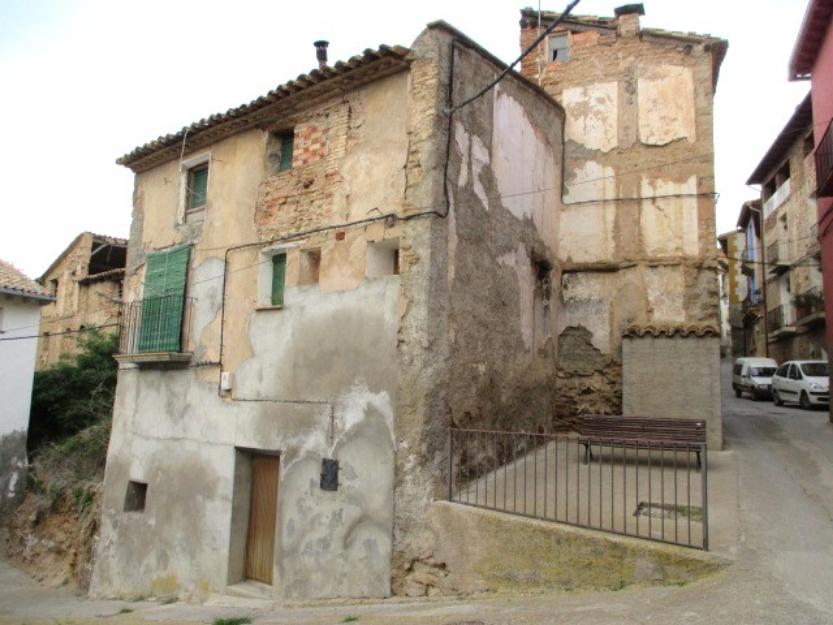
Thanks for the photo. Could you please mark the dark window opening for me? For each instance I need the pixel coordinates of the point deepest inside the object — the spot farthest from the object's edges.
(134, 498)
(278, 278)
(105, 256)
(809, 145)
(53, 287)
(310, 267)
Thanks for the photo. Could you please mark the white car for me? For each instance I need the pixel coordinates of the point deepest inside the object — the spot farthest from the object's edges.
(753, 375)
(804, 381)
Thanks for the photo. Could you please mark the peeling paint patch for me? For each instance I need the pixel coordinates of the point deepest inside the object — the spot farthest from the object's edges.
(590, 181)
(666, 104)
(669, 224)
(592, 115)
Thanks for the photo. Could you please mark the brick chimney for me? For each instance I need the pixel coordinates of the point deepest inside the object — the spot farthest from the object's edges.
(627, 19)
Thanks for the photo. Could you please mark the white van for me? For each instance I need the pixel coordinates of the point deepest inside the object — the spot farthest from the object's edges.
(753, 375)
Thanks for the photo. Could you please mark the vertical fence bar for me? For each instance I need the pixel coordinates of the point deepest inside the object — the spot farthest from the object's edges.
(612, 501)
(546, 473)
(589, 481)
(636, 487)
(535, 477)
(688, 493)
(578, 484)
(662, 488)
(676, 502)
(450, 463)
(624, 491)
(704, 493)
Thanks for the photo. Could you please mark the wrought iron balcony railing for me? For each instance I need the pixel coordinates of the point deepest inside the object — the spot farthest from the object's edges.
(155, 326)
(824, 163)
(809, 303)
(780, 318)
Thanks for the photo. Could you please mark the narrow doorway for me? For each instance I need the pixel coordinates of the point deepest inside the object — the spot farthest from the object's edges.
(263, 509)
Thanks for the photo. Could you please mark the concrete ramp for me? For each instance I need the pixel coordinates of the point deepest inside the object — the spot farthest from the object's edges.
(484, 550)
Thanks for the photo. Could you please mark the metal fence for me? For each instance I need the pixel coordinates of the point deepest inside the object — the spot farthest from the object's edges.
(647, 489)
(156, 324)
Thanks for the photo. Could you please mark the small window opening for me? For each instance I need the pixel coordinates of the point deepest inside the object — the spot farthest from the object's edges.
(280, 151)
(53, 287)
(197, 190)
(383, 258)
(559, 46)
(134, 498)
(310, 267)
(278, 278)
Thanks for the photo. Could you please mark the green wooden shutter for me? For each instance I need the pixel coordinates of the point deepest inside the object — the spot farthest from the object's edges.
(278, 278)
(287, 150)
(163, 301)
(197, 186)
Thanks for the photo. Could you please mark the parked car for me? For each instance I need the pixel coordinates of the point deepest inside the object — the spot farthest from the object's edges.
(753, 375)
(804, 381)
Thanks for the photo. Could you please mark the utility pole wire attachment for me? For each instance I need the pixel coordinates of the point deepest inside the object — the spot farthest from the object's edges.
(509, 68)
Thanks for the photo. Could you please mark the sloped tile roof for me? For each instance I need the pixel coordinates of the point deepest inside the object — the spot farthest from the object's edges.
(370, 64)
(14, 282)
(672, 330)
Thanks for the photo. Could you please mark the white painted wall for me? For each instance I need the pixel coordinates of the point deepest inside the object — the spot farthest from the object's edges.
(20, 317)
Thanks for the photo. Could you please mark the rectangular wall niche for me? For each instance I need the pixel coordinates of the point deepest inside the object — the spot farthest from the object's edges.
(383, 258)
(134, 498)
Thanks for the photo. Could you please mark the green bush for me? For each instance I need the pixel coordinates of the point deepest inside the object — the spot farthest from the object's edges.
(74, 394)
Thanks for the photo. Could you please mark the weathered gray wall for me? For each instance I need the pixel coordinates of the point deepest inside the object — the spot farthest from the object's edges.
(173, 431)
(686, 369)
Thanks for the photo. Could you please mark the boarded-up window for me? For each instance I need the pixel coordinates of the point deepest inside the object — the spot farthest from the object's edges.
(163, 301)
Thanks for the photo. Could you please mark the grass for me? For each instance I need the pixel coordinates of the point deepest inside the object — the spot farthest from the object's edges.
(125, 610)
(350, 619)
(235, 620)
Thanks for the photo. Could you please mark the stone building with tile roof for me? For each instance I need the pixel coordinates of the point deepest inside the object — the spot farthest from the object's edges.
(86, 282)
(637, 231)
(21, 299)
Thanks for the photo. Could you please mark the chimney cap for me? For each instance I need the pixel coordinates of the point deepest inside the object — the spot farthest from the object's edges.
(627, 9)
(321, 43)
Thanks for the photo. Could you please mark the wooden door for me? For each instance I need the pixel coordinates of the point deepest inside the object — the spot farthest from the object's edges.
(263, 510)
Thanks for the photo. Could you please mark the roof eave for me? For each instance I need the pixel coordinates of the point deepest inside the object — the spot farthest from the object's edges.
(46, 299)
(779, 150)
(813, 29)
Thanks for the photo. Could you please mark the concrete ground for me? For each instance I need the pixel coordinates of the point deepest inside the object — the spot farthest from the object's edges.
(779, 462)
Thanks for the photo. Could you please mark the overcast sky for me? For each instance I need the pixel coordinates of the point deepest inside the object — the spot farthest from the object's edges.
(84, 82)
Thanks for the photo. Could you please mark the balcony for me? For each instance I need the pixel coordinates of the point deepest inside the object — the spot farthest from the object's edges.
(153, 331)
(776, 199)
(776, 257)
(747, 265)
(809, 307)
(824, 164)
(780, 321)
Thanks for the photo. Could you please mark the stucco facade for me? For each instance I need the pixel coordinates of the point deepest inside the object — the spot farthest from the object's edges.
(637, 228)
(419, 254)
(86, 282)
(21, 300)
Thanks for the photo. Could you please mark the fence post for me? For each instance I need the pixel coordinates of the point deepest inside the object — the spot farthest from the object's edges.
(450, 462)
(704, 472)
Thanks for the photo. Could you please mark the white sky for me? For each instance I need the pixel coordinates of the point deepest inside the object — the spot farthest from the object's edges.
(83, 82)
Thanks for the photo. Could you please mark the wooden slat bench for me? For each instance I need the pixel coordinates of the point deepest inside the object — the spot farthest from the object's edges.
(684, 434)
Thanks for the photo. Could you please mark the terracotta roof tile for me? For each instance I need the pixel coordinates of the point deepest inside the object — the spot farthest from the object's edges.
(15, 282)
(671, 330)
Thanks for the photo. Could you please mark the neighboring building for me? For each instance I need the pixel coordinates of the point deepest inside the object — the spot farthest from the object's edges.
(794, 301)
(639, 288)
(20, 303)
(319, 284)
(812, 58)
(86, 282)
(723, 289)
(753, 340)
(733, 245)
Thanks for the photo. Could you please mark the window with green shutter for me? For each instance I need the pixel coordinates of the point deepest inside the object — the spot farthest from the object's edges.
(197, 191)
(287, 150)
(278, 278)
(163, 301)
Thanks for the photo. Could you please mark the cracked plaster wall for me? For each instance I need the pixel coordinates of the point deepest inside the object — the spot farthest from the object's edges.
(639, 125)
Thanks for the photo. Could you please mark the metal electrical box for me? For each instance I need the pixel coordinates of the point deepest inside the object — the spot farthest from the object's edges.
(329, 474)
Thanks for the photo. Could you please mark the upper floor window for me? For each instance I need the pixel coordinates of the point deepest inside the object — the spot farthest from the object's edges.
(197, 189)
(559, 48)
(280, 151)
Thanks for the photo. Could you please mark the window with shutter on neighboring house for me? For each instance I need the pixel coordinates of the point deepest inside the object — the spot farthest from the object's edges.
(163, 301)
(287, 150)
(278, 278)
(197, 190)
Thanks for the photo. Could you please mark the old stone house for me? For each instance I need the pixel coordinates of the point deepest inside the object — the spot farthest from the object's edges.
(21, 300)
(637, 247)
(733, 246)
(326, 279)
(320, 282)
(795, 325)
(86, 282)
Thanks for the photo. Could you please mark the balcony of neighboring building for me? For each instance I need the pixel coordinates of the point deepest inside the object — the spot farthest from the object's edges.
(824, 164)
(777, 198)
(747, 265)
(781, 321)
(153, 331)
(809, 307)
(776, 257)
